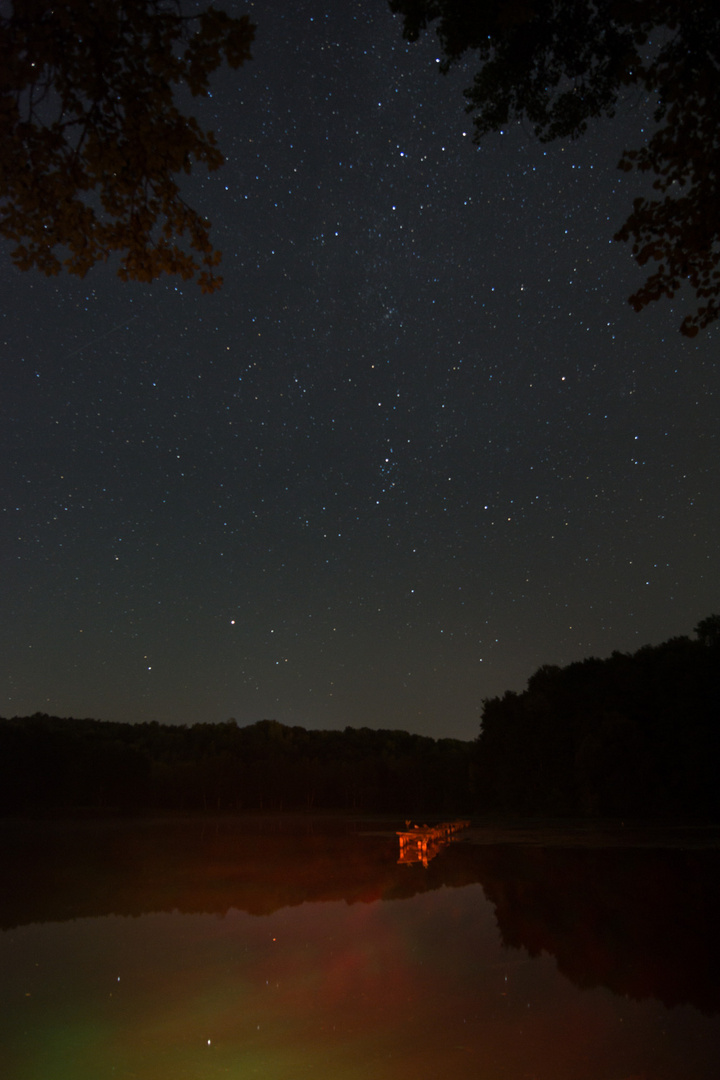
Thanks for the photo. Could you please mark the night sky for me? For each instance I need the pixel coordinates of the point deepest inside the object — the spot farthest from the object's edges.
(418, 445)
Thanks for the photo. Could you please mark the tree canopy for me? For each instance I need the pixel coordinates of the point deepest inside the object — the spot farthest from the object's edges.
(49, 762)
(92, 142)
(559, 64)
(633, 735)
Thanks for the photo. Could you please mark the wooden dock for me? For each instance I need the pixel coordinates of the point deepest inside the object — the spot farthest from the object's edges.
(414, 843)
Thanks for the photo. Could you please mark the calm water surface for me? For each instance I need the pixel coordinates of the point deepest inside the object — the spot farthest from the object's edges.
(161, 952)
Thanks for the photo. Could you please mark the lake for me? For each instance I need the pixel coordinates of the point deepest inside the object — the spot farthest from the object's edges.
(286, 948)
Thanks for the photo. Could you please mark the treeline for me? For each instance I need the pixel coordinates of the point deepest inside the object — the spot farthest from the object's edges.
(48, 763)
(634, 735)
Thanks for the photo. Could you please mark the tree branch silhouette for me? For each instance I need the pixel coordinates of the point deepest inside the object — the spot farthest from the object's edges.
(562, 63)
(92, 143)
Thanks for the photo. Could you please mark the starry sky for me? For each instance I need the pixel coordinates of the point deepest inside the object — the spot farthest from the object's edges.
(418, 445)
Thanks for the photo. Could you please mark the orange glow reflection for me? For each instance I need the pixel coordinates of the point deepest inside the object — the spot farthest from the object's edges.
(412, 988)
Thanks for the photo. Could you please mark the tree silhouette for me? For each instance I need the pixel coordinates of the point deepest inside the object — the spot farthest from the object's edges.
(708, 630)
(92, 141)
(632, 735)
(560, 63)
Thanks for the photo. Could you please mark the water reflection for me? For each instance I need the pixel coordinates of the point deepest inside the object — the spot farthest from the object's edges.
(642, 922)
(497, 961)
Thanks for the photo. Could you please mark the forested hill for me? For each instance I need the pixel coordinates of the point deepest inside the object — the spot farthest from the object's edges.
(48, 763)
(635, 735)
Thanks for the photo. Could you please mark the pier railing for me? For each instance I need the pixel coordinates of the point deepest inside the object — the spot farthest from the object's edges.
(422, 842)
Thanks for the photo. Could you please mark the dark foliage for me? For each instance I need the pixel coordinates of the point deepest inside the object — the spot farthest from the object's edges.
(559, 64)
(48, 763)
(634, 735)
(630, 736)
(92, 142)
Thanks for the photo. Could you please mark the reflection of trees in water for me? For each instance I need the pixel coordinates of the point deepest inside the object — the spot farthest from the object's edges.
(193, 865)
(640, 922)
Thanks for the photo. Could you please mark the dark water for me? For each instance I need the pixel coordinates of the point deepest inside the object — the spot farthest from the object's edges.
(289, 949)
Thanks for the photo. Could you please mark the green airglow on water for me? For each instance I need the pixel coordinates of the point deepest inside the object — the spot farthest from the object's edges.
(410, 988)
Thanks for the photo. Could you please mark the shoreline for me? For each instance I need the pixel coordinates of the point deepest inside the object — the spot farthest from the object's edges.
(484, 830)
